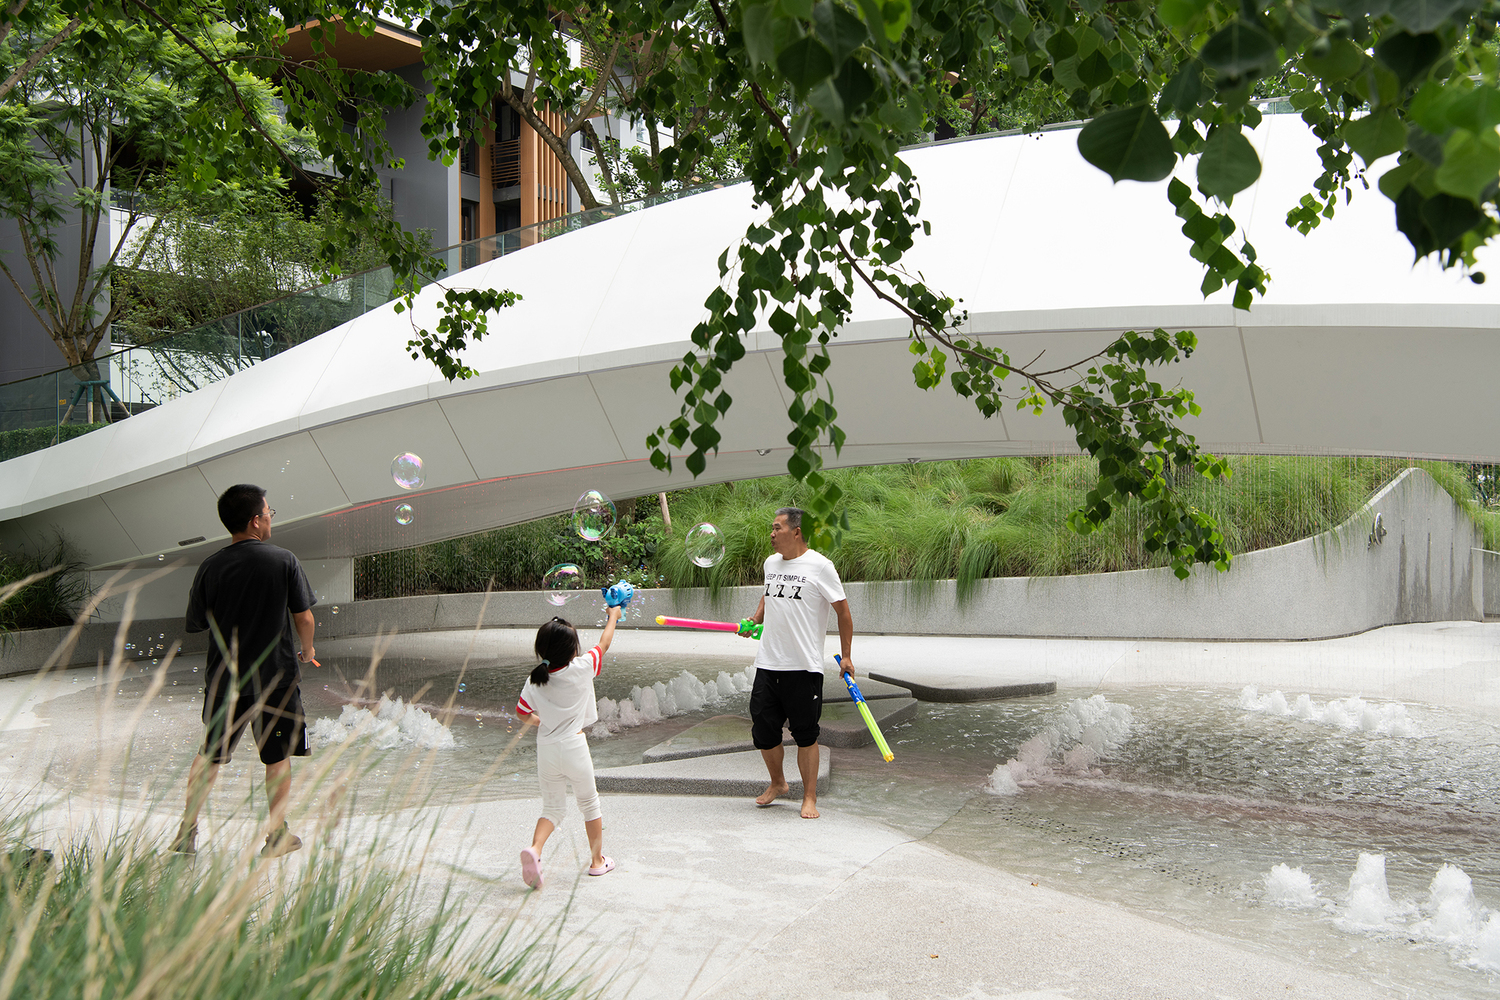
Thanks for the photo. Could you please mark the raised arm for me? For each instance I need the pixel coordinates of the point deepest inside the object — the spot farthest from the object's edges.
(608, 635)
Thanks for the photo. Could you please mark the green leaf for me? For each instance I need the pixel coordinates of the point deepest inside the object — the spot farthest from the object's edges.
(1062, 45)
(1184, 91)
(805, 63)
(1179, 13)
(839, 29)
(1449, 218)
(1095, 71)
(828, 102)
(1478, 110)
(1128, 144)
(1408, 55)
(1342, 61)
(897, 15)
(1237, 51)
(854, 84)
(1471, 164)
(760, 41)
(1423, 15)
(1377, 135)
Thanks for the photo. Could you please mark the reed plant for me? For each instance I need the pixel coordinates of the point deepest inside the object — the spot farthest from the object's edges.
(120, 921)
(963, 520)
(111, 915)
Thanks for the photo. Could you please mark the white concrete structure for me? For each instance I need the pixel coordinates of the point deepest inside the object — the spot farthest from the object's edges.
(1352, 352)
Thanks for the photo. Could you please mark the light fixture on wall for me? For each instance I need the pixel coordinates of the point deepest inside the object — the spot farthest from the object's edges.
(1377, 533)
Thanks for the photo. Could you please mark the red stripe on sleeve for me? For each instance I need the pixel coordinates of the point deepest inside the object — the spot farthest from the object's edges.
(522, 707)
(597, 656)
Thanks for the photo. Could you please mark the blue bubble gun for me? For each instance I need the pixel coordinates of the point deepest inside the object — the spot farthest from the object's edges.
(864, 711)
(617, 595)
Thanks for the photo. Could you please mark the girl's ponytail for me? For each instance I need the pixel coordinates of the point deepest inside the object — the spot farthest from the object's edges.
(540, 673)
(556, 645)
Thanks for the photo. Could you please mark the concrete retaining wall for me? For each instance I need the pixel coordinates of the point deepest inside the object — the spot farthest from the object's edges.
(1428, 566)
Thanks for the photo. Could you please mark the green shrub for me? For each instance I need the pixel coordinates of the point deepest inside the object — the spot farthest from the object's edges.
(965, 520)
(53, 600)
(25, 440)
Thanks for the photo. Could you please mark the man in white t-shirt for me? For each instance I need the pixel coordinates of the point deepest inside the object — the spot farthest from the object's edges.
(801, 587)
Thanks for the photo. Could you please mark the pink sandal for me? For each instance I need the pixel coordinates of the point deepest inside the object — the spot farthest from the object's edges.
(604, 869)
(531, 868)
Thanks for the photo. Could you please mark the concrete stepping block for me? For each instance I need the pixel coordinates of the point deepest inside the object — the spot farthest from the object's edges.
(962, 689)
(835, 690)
(718, 735)
(720, 774)
(842, 725)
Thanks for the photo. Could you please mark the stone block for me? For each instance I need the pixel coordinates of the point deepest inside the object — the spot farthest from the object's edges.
(843, 726)
(741, 773)
(962, 692)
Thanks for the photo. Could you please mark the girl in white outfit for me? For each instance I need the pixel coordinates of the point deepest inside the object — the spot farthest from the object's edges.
(559, 699)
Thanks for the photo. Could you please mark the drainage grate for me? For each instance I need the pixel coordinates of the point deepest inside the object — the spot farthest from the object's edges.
(1064, 833)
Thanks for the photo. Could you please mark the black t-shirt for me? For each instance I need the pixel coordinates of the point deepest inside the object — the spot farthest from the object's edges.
(248, 591)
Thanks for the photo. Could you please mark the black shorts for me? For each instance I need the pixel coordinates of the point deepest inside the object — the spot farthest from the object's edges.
(785, 697)
(275, 718)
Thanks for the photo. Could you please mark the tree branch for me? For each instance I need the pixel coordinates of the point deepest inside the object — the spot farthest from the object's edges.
(37, 56)
(760, 98)
(234, 89)
(558, 147)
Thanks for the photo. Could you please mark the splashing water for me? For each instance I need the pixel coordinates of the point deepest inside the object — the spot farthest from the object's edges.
(683, 693)
(1354, 712)
(1073, 740)
(392, 724)
(1450, 917)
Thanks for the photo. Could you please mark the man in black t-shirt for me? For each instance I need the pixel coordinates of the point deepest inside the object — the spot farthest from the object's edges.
(251, 595)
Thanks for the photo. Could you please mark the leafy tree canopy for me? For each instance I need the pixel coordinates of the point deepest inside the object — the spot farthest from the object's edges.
(817, 96)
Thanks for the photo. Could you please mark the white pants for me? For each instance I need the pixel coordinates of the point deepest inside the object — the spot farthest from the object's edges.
(561, 764)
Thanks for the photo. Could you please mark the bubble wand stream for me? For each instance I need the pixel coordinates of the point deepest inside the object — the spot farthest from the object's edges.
(864, 710)
(745, 627)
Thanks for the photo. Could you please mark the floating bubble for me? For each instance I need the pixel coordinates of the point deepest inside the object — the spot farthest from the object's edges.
(704, 544)
(161, 558)
(462, 688)
(593, 516)
(562, 583)
(406, 470)
(404, 514)
(335, 609)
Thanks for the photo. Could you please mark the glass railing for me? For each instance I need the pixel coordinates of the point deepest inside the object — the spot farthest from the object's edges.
(146, 371)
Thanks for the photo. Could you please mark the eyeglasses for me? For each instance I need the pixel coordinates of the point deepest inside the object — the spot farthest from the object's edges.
(268, 513)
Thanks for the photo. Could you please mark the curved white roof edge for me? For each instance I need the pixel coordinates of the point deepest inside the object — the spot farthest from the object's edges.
(1353, 351)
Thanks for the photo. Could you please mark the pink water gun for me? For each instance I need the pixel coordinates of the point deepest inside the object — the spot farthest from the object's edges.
(745, 627)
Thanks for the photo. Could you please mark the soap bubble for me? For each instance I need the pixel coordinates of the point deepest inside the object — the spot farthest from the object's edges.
(335, 609)
(406, 470)
(404, 514)
(562, 583)
(593, 516)
(161, 558)
(704, 544)
(462, 688)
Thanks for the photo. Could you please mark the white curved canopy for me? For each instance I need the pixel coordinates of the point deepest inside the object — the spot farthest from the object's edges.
(1353, 352)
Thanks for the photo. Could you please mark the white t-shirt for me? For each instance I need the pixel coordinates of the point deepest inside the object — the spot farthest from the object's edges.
(566, 703)
(798, 595)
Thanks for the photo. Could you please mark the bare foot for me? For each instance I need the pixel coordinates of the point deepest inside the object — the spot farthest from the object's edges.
(809, 808)
(768, 796)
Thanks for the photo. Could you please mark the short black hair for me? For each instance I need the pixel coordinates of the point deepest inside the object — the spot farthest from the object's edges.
(238, 504)
(793, 516)
(556, 645)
